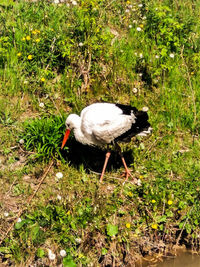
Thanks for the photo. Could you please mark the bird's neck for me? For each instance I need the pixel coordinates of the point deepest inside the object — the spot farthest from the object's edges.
(80, 136)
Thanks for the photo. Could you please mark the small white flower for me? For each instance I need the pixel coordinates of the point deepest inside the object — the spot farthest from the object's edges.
(74, 3)
(135, 53)
(63, 253)
(145, 109)
(51, 255)
(141, 55)
(41, 105)
(25, 82)
(140, 5)
(21, 141)
(6, 214)
(56, 1)
(139, 182)
(80, 44)
(135, 90)
(144, 17)
(171, 55)
(78, 240)
(156, 56)
(134, 21)
(59, 197)
(59, 175)
(127, 10)
(19, 220)
(138, 29)
(130, 6)
(140, 74)
(130, 26)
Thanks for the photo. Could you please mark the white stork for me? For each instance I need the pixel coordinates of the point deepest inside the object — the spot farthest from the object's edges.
(101, 124)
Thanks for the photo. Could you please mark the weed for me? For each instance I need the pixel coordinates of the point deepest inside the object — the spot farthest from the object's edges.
(44, 137)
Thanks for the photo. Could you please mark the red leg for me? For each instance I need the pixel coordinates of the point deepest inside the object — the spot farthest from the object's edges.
(128, 173)
(104, 166)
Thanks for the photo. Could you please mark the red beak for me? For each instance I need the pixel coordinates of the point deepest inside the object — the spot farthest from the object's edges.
(65, 138)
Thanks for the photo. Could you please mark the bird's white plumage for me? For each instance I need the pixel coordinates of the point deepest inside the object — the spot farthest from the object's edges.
(99, 123)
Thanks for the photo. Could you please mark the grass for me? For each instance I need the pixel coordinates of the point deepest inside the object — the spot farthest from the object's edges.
(56, 59)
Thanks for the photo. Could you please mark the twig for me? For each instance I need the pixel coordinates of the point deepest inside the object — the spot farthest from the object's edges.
(27, 152)
(28, 202)
(178, 239)
(12, 186)
(11, 148)
(112, 177)
(55, 105)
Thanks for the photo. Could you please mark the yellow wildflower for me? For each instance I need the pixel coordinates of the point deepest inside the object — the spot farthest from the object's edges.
(128, 225)
(141, 26)
(153, 201)
(23, 39)
(130, 194)
(38, 31)
(68, 213)
(169, 202)
(42, 79)
(128, 2)
(154, 226)
(34, 32)
(19, 54)
(28, 37)
(30, 57)
(37, 40)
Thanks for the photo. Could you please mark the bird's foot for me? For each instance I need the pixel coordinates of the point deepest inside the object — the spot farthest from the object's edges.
(127, 174)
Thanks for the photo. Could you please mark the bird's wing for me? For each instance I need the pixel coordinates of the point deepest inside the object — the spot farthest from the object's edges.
(112, 129)
(105, 122)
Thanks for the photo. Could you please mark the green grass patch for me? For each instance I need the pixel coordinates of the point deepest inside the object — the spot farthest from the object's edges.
(54, 60)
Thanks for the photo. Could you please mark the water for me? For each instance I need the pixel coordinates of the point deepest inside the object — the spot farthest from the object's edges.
(184, 259)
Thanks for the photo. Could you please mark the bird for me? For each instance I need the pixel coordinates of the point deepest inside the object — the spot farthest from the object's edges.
(101, 124)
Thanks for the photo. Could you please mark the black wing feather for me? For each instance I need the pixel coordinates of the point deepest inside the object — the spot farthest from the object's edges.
(141, 122)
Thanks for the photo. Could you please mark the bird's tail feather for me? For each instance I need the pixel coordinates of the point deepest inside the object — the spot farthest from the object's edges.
(140, 127)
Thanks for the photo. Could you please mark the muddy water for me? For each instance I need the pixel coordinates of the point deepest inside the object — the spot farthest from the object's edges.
(184, 259)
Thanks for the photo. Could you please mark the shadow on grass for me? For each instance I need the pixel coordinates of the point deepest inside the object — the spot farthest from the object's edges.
(92, 158)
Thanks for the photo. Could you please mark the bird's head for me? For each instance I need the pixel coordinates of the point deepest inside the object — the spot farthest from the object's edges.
(72, 122)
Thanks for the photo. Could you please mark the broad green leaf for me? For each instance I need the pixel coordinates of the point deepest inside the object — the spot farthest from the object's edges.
(112, 229)
(19, 225)
(68, 262)
(104, 251)
(40, 253)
